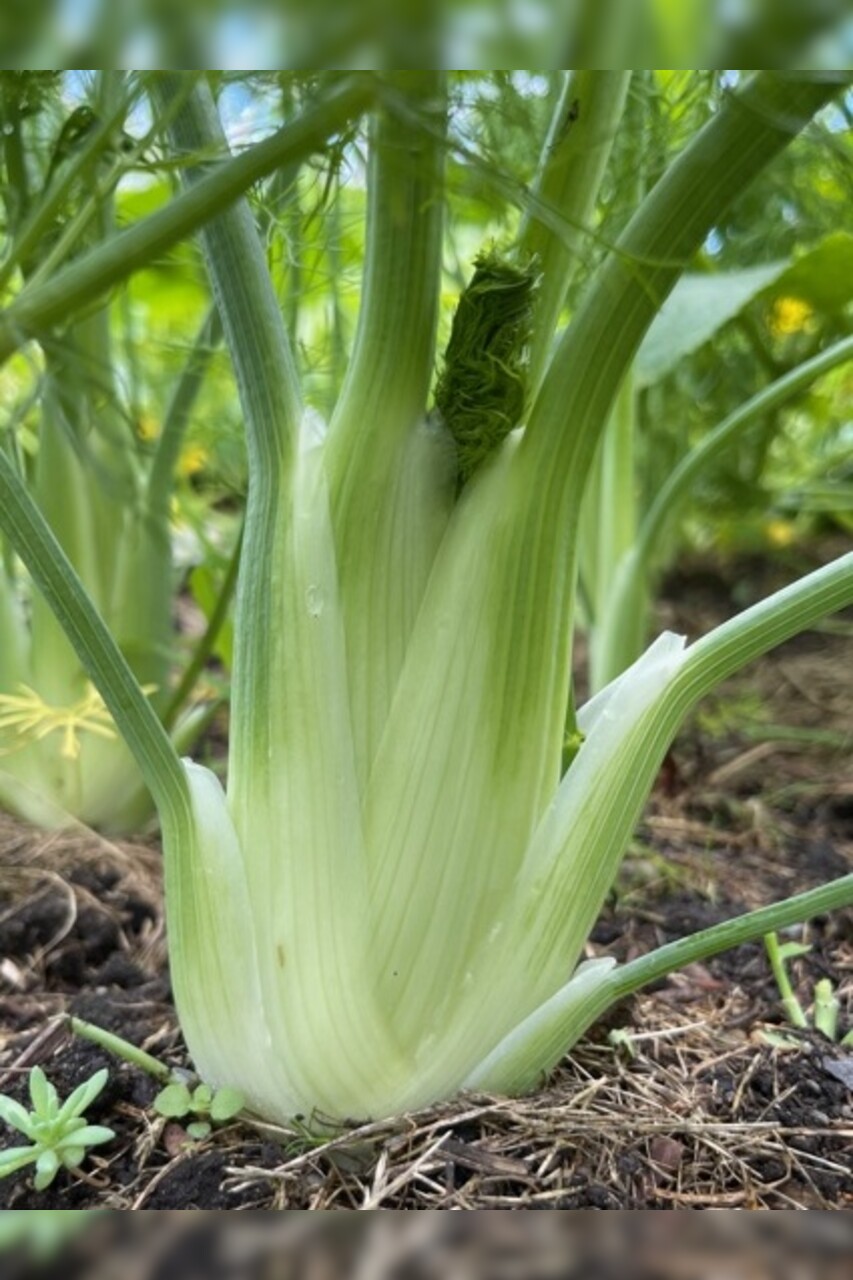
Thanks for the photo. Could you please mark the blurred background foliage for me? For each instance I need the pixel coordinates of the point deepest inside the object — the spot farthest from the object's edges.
(376, 32)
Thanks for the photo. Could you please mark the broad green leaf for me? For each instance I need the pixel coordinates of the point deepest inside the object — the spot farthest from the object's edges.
(202, 1098)
(226, 1104)
(700, 305)
(198, 1130)
(824, 275)
(173, 1102)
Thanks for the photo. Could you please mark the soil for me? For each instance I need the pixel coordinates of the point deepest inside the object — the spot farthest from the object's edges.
(692, 1106)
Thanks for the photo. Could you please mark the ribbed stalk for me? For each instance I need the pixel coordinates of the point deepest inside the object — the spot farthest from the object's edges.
(596, 351)
(161, 477)
(391, 478)
(270, 396)
(564, 916)
(391, 365)
(613, 500)
(574, 160)
(624, 620)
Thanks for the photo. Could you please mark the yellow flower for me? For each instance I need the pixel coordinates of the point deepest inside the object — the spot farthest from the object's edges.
(193, 457)
(148, 428)
(779, 533)
(789, 315)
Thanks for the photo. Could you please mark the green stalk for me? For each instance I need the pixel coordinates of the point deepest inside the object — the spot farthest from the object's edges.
(121, 1048)
(573, 163)
(509, 1070)
(594, 356)
(391, 365)
(161, 477)
(291, 737)
(609, 514)
(616, 501)
(84, 280)
(378, 443)
(576, 884)
(595, 353)
(207, 641)
(777, 953)
(590, 598)
(496, 615)
(623, 625)
(748, 927)
(673, 493)
(826, 1009)
(269, 392)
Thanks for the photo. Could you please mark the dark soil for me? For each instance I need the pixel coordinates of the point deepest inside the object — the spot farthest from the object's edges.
(700, 1111)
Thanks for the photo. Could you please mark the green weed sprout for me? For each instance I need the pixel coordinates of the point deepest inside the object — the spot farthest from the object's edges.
(209, 1106)
(182, 1094)
(826, 1005)
(58, 1133)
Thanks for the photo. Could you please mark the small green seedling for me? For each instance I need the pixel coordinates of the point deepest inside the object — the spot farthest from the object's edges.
(826, 1005)
(621, 1041)
(58, 1133)
(209, 1106)
(181, 1096)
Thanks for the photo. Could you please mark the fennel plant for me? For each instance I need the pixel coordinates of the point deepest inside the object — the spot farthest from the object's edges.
(104, 491)
(391, 903)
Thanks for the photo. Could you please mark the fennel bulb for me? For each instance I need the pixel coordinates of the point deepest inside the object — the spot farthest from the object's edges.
(373, 949)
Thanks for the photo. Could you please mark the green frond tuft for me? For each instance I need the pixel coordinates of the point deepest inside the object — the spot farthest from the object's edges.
(482, 390)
